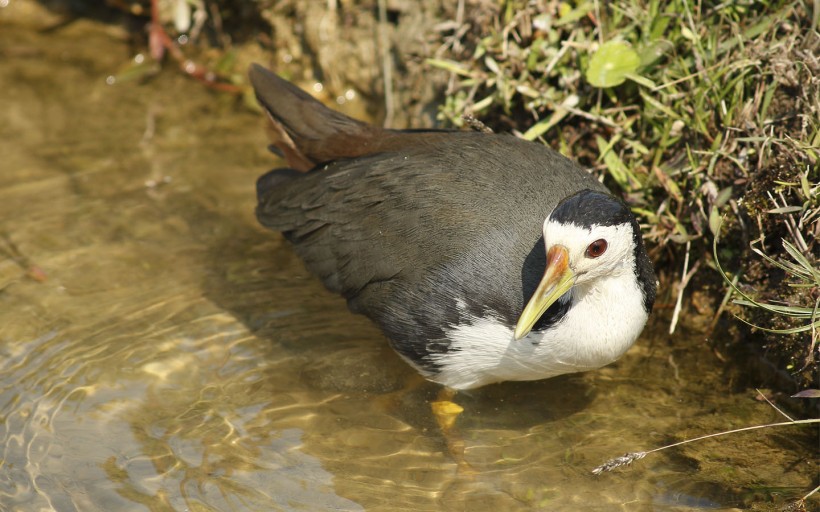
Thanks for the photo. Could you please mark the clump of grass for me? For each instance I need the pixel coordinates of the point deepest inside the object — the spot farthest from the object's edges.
(795, 307)
(800, 268)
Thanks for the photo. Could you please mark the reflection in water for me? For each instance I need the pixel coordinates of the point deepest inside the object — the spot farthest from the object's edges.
(179, 357)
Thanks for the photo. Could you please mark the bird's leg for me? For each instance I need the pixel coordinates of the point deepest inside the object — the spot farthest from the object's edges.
(446, 413)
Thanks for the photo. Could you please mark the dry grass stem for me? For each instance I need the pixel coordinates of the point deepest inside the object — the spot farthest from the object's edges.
(629, 457)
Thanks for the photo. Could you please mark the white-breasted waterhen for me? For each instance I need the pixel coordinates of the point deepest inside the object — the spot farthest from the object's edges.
(482, 257)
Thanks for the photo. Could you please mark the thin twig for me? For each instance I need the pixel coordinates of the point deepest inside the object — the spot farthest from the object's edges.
(681, 287)
(776, 408)
(564, 47)
(387, 64)
(804, 498)
(633, 456)
(686, 276)
(590, 116)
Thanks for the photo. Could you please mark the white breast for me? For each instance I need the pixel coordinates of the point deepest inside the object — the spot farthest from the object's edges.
(602, 324)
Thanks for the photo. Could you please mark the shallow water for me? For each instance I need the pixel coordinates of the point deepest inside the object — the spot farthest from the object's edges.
(178, 357)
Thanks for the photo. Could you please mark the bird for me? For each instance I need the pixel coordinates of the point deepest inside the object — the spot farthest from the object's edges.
(482, 257)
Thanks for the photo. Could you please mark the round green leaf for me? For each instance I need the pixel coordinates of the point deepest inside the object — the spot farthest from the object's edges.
(611, 64)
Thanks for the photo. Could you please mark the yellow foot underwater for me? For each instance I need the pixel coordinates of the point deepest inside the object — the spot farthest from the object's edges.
(446, 413)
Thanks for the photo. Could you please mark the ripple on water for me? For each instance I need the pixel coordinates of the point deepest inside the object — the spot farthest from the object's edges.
(175, 401)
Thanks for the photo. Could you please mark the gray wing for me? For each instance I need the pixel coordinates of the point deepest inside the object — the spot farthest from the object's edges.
(342, 221)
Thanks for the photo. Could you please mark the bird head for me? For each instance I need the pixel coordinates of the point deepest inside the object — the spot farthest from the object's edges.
(589, 236)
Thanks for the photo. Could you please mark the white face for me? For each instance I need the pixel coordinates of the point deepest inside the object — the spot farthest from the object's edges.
(617, 258)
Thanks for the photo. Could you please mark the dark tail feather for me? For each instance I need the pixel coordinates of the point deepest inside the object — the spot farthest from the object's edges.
(316, 132)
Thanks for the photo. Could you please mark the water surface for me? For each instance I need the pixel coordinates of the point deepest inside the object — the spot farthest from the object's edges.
(178, 357)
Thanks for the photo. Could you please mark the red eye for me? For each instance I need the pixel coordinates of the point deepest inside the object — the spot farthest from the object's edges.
(596, 248)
